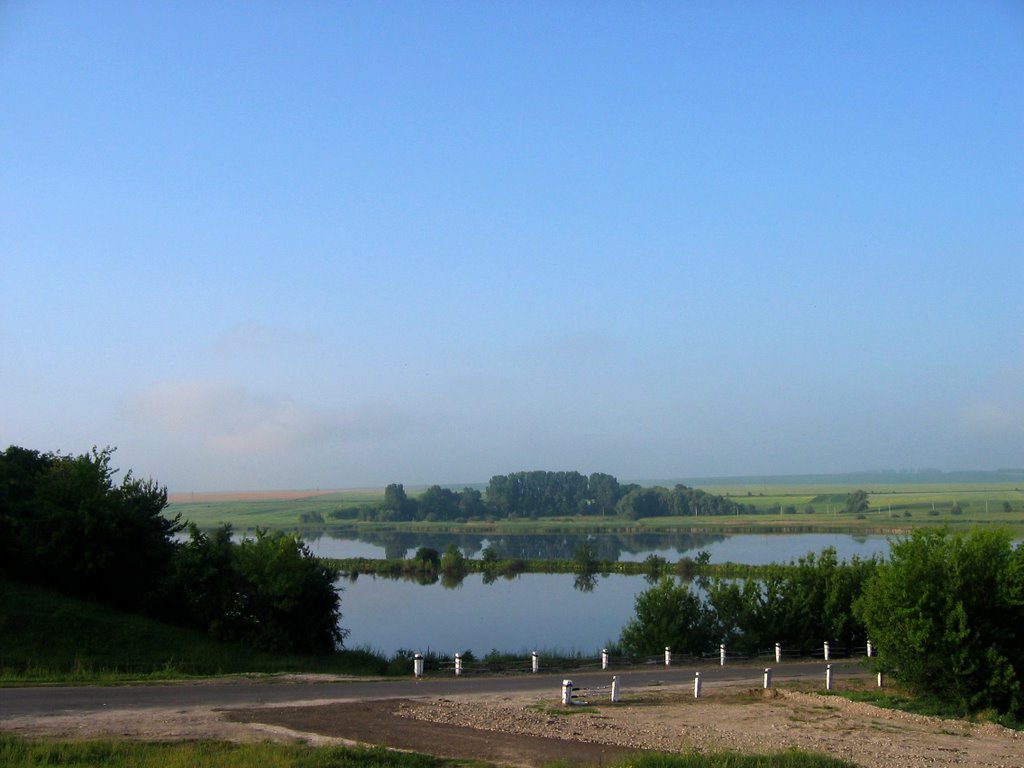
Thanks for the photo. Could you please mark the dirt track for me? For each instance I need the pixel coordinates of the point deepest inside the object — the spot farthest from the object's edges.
(528, 731)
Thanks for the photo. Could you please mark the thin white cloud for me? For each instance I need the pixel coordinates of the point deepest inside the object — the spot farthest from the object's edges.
(229, 420)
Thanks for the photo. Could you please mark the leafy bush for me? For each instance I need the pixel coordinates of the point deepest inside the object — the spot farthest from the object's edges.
(945, 613)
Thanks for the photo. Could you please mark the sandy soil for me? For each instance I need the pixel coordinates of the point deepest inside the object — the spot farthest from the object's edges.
(530, 731)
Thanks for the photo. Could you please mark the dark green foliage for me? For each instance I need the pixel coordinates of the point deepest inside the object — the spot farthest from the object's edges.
(800, 605)
(66, 525)
(857, 501)
(539, 494)
(946, 613)
(453, 562)
(668, 615)
(268, 592)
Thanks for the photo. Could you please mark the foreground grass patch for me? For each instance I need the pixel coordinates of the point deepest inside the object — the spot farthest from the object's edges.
(22, 753)
(25, 753)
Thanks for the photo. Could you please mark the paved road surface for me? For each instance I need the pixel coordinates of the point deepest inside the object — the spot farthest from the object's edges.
(15, 702)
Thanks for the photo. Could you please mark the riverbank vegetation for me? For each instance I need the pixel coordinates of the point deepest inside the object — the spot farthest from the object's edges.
(944, 612)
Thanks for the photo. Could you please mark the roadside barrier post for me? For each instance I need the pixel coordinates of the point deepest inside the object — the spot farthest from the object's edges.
(880, 681)
(566, 692)
(828, 677)
(536, 662)
(721, 654)
(458, 664)
(826, 650)
(615, 689)
(871, 649)
(696, 685)
(778, 653)
(767, 678)
(668, 656)
(604, 658)
(417, 665)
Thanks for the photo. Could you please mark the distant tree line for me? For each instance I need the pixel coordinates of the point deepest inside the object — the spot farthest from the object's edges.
(67, 525)
(540, 494)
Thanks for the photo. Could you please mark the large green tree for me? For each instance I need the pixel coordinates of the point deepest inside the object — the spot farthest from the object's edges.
(946, 612)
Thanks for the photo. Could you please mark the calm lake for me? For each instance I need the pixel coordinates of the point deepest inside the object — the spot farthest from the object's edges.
(546, 612)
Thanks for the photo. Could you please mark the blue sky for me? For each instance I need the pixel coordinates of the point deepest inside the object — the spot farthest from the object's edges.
(297, 245)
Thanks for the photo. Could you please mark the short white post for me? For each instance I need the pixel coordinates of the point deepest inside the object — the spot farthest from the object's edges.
(668, 656)
(615, 689)
(696, 685)
(458, 663)
(604, 658)
(767, 677)
(567, 692)
(536, 662)
(880, 680)
(417, 665)
(721, 654)
(778, 653)
(826, 650)
(828, 677)
(871, 649)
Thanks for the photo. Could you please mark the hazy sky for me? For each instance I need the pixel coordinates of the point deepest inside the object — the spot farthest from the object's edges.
(315, 244)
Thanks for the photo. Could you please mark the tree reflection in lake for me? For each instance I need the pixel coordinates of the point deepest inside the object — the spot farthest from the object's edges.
(605, 546)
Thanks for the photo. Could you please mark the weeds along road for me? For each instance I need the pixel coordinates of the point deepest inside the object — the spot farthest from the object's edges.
(18, 702)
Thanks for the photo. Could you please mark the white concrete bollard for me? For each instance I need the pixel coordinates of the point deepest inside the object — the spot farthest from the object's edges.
(668, 656)
(615, 689)
(767, 678)
(536, 662)
(458, 664)
(778, 653)
(828, 677)
(696, 685)
(721, 654)
(417, 665)
(871, 649)
(566, 692)
(880, 680)
(826, 650)
(604, 658)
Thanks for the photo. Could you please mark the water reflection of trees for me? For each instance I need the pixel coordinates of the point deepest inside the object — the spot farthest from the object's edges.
(547, 546)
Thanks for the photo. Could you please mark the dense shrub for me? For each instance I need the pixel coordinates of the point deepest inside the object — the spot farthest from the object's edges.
(945, 613)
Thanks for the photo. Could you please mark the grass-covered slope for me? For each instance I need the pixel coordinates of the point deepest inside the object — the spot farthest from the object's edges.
(46, 637)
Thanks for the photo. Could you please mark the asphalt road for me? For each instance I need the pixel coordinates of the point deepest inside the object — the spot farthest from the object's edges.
(16, 702)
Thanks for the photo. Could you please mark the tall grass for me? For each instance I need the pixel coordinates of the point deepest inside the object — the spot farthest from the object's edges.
(23, 753)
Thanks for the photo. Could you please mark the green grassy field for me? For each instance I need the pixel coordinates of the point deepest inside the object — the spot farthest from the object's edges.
(45, 637)
(894, 508)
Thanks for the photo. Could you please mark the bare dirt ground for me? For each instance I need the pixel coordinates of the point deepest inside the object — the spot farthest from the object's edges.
(529, 731)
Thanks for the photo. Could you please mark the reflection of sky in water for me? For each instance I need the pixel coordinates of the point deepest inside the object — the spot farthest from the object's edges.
(533, 611)
(754, 549)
